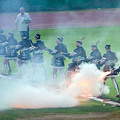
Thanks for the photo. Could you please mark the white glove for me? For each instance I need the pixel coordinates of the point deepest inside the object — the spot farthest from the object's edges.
(17, 46)
(31, 48)
(4, 44)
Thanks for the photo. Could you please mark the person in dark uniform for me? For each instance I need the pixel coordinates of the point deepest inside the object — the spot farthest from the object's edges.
(11, 53)
(78, 55)
(25, 53)
(57, 62)
(95, 56)
(37, 59)
(3, 39)
(108, 60)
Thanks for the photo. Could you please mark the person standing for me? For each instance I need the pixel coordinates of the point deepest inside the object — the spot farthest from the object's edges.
(57, 61)
(3, 39)
(11, 53)
(38, 59)
(78, 55)
(22, 22)
(25, 52)
(108, 60)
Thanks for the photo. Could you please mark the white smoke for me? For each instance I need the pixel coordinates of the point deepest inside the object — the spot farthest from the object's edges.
(34, 96)
(88, 82)
(29, 95)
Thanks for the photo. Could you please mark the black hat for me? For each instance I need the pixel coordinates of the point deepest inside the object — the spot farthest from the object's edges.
(11, 33)
(94, 45)
(107, 46)
(79, 41)
(37, 36)
(60, 38)
(23, 35)
(1, 31)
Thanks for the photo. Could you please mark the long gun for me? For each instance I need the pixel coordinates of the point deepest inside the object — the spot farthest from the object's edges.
(3, 44)
(114, 72)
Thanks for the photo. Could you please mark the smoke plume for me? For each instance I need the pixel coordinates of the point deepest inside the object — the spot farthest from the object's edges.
(21, 94)
(88, 82)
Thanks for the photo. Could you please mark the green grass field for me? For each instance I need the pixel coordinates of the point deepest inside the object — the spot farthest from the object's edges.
(106, 35)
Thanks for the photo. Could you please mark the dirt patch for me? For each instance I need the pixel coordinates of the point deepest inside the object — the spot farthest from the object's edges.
(90, 116)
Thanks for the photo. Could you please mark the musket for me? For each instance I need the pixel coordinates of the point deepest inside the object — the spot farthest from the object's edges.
(82, 38)
(62, 35)
(110, 62)
(114, 73)
(79, 58)
(97, 42)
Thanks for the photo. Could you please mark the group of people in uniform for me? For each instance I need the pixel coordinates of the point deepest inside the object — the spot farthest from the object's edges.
(78, 56)
(9, 48)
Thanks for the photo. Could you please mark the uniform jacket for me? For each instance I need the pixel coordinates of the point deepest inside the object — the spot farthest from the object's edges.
(11, 43)
(109, 59)
(38, 52)
(24, 49)
(58, 58)
(94, 56)
(39, 48)
(79, 54)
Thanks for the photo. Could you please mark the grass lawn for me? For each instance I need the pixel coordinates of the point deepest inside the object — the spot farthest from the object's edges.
(106, 35)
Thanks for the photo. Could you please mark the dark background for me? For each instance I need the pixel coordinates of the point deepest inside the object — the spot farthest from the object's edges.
(55, 5)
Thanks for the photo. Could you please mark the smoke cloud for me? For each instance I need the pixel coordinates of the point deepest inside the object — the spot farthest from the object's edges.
(20, 94)
(88, 82)
(31, 96)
